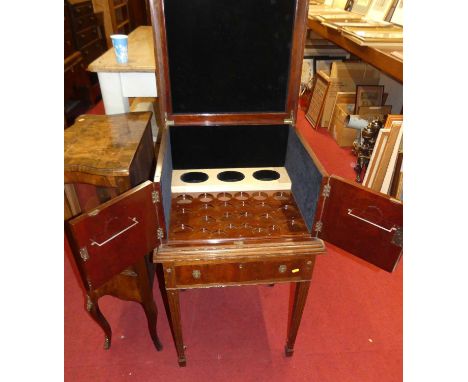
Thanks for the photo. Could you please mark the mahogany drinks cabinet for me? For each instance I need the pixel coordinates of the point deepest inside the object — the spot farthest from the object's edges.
(237, 197)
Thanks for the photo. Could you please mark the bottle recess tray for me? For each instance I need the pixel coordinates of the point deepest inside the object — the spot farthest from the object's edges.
(231, 180)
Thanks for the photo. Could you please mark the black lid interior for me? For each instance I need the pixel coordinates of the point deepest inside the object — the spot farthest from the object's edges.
(202, 147)
(229, 56)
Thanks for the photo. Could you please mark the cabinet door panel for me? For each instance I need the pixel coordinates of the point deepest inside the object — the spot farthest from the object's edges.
(115, 235)
(365, 223)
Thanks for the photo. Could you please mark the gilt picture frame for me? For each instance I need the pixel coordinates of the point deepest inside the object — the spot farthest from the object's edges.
(368, 95)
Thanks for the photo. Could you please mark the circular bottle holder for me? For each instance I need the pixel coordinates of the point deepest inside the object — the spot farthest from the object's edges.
(266, 175)
(282, 196)
(230, 176)
(205, 197)
(241, 195)
(260, 196)
(184, 199)
(194, 177)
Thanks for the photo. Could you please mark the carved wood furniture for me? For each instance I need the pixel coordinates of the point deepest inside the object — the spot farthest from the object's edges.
(229, 95)
(105, 156)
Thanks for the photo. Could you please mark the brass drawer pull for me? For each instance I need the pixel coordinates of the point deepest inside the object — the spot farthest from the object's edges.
(196, 274)
(117, 234)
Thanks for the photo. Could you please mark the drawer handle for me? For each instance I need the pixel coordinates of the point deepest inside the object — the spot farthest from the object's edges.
(117, 234)
(282, 268)
(369, 222)
(196, 274)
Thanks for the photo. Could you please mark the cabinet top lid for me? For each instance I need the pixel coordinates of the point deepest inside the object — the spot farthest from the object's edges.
(222, 57)
(100, 144)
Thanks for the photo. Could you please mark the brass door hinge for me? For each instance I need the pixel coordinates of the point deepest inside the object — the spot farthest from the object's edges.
(319, 226)
(168, 122)
(155, 197)
(326, 191)
(160, 233)
(290, 120)
(397, 238)
(84, 254)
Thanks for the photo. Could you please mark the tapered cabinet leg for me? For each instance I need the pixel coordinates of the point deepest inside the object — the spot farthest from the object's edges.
(295, 314)
(174, 310)
(93, 308)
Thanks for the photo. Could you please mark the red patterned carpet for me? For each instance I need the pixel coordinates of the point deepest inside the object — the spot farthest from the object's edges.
(351, 328)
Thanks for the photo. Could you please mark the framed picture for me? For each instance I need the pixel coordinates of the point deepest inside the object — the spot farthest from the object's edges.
(317, 101)
(393, 120)
(397, 17)
(397, 179)
(379, 9)
(376, 157)
(339, 4)
(361, 6)
(368, 95)
(383, 173)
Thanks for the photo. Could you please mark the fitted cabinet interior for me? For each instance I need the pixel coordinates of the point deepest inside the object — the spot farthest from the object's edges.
(251, 184)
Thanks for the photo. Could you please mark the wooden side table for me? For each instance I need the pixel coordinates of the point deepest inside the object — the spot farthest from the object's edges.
(104, 157)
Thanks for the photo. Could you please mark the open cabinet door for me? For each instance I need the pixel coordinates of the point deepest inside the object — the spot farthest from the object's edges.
(115, 235)
(363, 222)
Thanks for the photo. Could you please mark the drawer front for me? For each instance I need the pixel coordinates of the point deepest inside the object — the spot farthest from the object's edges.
(92, 51)
(84, 22)
(82, 9)
(244, 272)
(87, 35)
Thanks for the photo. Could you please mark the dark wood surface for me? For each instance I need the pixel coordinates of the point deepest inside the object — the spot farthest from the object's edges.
(105, 156)
(131, 216)
(87, 35)
(366, 223)
(243, 215)
(78, 93)
(82, 33)
(382, 61)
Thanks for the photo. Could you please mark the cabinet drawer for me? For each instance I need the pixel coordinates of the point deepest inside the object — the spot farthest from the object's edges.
(82, 9)
(244, 272)
(84, 22)
(87, 35)
(92, 51)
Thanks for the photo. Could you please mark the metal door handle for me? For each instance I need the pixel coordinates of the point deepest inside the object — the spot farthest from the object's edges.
(117, 234)
(369, 222)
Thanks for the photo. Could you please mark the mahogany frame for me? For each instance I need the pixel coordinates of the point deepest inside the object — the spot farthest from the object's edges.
(265, 118)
